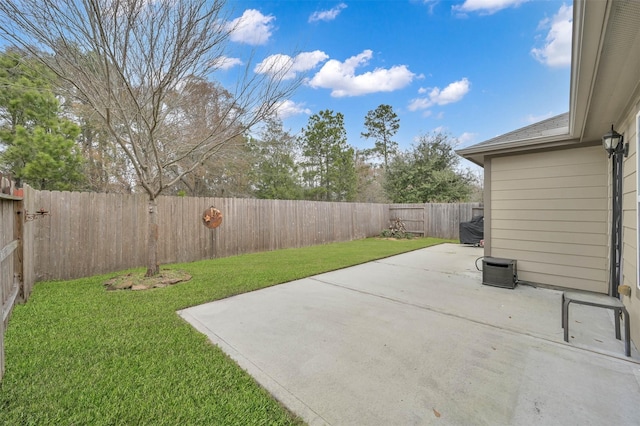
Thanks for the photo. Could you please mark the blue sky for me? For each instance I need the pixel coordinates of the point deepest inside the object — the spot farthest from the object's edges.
(472, 68)
(475, 69)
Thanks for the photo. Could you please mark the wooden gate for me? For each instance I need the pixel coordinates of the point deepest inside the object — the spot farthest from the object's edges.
(441, 220)
(11, 254)
(412, 215)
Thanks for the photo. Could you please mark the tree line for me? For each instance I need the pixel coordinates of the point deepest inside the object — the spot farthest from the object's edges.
(56, 143)
(121, 95)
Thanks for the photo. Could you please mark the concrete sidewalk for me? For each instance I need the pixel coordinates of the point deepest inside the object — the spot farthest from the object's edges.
(417, 339)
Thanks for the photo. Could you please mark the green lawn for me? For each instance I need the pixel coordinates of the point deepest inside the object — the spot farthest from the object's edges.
(79, 355)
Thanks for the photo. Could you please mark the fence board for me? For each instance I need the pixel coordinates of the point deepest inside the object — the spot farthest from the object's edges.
(102, 227)
(4, 274)
(8, 249)
(6, 264)
(58, 236)
(127, 224)
(1, 337)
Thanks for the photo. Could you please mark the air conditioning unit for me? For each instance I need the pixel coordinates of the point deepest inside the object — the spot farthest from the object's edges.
(499, 272)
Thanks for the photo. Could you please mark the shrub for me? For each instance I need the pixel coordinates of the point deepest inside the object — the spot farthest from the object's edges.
(396, 230)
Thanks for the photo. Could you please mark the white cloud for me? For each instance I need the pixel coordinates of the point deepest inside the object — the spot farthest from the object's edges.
(467, 138)
(486, 7)
(327, 15)
(308, 60)
(450, 94)
(431, 3)
(252, 28)
(419, 103)
(225, 63)
(454, 92)
(289, 108)
(342, 79)
(287, 66)
(556, 51)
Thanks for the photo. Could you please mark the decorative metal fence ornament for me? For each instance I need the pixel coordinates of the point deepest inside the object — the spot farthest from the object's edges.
(212, 218)
(39, 214)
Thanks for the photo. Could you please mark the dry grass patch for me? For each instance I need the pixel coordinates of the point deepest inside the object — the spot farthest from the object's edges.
(138, 281)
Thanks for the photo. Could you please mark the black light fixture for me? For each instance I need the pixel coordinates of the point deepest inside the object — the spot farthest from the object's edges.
(613, 143)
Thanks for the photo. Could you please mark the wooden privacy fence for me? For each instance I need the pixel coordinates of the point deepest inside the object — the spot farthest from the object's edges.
(441, 220)
(82, 234)
(16, 275)
(91, 233)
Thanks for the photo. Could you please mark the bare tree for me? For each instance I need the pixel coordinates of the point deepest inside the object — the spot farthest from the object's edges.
(203, 106)
(106, 168)
(127, 59)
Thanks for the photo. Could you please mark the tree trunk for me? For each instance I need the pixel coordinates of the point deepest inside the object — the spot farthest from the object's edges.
(152, 244)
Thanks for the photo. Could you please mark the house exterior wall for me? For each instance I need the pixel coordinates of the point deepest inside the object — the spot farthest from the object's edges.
(629, 129)
(549, 211)
(486, 198)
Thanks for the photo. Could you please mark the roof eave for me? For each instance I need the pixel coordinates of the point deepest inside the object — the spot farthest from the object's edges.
(584, 61)
(476, 155)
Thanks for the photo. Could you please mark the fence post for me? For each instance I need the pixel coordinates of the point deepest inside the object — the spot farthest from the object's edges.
(1, 334)
(18, 271)
(1, 331)
(425, 218)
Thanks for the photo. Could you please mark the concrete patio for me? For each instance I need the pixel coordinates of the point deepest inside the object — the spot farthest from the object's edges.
(417, 339)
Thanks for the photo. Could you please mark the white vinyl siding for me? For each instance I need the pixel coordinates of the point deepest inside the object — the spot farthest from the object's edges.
(550, 213)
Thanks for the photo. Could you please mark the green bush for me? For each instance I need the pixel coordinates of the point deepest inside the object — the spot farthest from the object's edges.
(396, 230)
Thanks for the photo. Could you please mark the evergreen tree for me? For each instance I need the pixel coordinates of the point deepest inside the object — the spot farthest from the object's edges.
(329, 162)
(39, 142)
(382, 124)
(427, 173)
(275, 173)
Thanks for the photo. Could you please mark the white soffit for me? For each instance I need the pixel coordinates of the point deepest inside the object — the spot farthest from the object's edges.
(618, 73)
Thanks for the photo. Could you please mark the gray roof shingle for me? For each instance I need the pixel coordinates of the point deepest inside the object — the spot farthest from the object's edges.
(554, 126)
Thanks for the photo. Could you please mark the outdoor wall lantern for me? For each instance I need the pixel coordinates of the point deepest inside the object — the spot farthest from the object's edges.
(613, 143)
